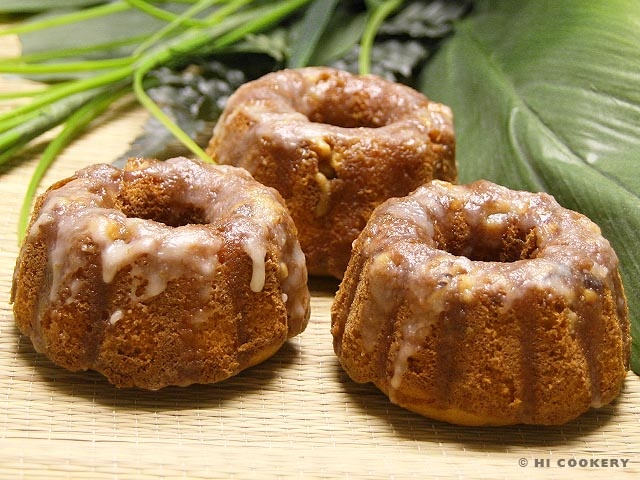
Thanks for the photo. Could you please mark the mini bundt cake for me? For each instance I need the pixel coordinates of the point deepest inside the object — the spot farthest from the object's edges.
(164, 273)
(334, 145)
(479, 305)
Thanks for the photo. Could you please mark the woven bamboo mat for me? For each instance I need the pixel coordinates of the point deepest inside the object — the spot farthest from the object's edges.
(296, 415)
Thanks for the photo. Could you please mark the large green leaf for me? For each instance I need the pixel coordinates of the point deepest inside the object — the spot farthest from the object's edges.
(546, 96)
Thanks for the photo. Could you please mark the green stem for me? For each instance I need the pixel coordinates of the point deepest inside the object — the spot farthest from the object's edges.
(43, 120)
(53, 94)
(52, 106)
(22, 113)
(231, 7)
(58, 20)
(64, 67)
(218, 24)
(152, 61)
(8, 154)
(163, 32)
(169, 124)
(187, 42)
(25, 94)
(162, 14)
(379, 14)
(192, 40)
(271, 16)
(258, 20)
(74, 125)
(72, 52)
(17, 120)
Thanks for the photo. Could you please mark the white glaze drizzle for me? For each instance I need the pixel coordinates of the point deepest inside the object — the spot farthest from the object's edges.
(257, 251)
(276, 109)
(116, 317)
(156, 254)
(564, 239)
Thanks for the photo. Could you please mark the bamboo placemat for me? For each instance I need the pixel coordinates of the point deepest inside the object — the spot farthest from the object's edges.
(296, 415)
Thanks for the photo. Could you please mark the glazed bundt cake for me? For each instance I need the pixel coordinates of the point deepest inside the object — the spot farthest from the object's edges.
(335, 145)
(164, 273)
(479, 305)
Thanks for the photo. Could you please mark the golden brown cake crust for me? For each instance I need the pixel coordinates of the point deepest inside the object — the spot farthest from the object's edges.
(164, 273)
(335, 145)
(480, 305)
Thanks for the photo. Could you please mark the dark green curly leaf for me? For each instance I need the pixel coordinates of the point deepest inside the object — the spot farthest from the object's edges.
(193, 99)
(393, 59)
(545, 97)
(426, 19)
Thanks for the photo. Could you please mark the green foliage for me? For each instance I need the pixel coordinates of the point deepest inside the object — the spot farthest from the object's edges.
(334, 42)
(114, 35)
(124, 40)
(22, 6)
(193, 99)
(313, 25)
(545, 97)
(431, 20)
(85, 49)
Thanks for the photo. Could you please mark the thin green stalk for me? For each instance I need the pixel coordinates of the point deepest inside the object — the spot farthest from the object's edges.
(258, 21)
(72, 52)
(232, 6)
(271, 16)
(75, 124)
(21, 114)
(53, 94)
(152, 61)
(16, 120)
(47, 118)
(223, 28)
(193, 40)
(379, 14)
(169, 124)
(162, 14)
(58, 20)
(65, 67)
(179, 1)
(22, 94)
(195, 9)
(163, 53)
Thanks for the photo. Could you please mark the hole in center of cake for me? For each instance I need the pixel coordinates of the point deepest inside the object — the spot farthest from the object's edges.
(176, 216)
(348, 116)
(504, 245)
(161, 207)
